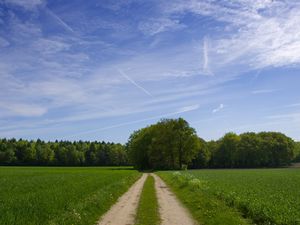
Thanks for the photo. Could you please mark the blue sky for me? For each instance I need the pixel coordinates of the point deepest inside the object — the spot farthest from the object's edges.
(98, 70)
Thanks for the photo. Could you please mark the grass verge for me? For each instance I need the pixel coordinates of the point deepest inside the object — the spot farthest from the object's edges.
(147, 212)
(206, 208)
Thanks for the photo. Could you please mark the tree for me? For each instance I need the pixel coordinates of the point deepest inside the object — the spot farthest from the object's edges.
(187, 142)
(168, 144)
(25, 152)
(226, 154)
(7, 154)
(297, 152)
(44, 154)
(279, 148)
(91, 154)
(138, 147)
(203, 156)
(250, 153)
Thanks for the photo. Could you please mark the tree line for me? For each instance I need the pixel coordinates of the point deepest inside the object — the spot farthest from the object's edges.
(247, 150)
(173, 144)
(62, 153)
(168, 144)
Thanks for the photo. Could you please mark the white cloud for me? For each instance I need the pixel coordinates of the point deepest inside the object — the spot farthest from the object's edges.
(179, 111)
(263, 91)
(219, 108)
(68, 75)
(49, 46)
(292, 117)
(4, 42)
(21, 109)
(159, 25)
(293, 105)
(27, 4)
(259, 33)
(189, 108)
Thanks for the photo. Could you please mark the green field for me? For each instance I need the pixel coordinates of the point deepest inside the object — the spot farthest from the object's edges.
(73, 195)
(266, 196)
(49, 195)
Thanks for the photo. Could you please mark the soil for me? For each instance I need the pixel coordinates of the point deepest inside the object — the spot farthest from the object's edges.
(171, 210)
(124, 211)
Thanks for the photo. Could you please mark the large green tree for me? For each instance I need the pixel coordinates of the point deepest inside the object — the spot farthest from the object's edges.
(168, 144)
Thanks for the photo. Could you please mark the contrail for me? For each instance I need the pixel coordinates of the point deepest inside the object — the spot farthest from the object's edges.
(206, 68)
(134, 83)
(256, 75)
(66, 26)
(181, 110)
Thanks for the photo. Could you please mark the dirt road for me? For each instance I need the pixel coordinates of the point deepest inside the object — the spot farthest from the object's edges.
(123, 212)
(171, 210)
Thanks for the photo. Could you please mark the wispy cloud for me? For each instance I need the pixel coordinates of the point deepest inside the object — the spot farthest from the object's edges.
(293, 105)
(159, 25)
(219, 108)
(21, 109)
(294, 117)
(27, 4)
(58, 66)
(261, 33)
(263, 91)
(3, 42)
(179, 111)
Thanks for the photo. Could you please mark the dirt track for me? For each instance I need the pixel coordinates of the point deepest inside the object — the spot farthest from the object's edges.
(171, 210)
(123, 212)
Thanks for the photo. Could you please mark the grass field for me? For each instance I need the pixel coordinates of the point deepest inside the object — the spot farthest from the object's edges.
(267, 196)
(45, 195)
(147, 213)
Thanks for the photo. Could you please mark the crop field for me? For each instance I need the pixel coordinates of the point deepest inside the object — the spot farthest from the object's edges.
(266, 196)
(49, 195)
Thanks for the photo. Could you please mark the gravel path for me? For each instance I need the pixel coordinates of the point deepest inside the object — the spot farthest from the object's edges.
(171, 210)
(124, 211)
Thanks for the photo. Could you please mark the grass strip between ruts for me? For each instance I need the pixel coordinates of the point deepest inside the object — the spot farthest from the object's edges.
(147, 212)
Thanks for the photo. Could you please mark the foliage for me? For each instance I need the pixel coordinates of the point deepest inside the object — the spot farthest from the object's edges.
(171, 144)
(147, 212)
(22, 152)
(265, 149)
(51, 195)
(203, 155)
(297, 152)
(167, 144)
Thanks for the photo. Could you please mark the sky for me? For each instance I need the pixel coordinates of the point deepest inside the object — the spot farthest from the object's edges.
(98, 70)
